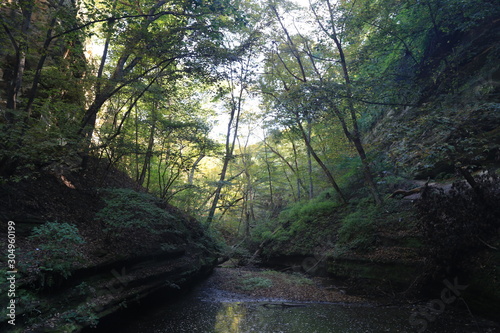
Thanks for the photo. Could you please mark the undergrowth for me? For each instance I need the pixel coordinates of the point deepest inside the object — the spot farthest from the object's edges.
(321, 226)
(127, 209)
(55, 243)
(256, 282)
(357, 229)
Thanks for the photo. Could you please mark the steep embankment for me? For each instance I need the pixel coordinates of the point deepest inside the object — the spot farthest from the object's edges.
(89, 242)
(456, 114)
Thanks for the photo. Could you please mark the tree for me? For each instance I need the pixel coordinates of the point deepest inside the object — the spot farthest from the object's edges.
(329, 27)
(288, 71)
(38, 108)
(143, 43)
(170, 36)
(238, 78)
(275, 138)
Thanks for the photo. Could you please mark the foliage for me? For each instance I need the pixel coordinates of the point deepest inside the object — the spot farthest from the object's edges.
(439, 137)
(29, 302)
(298, 218)
(350, 178)
(305, 212)
(82, 315)
(127, 209)
(58, 248)
(39, 147)
(60, 95)
(357, 229)
(300, 227)
(256, 282)
(362, 72)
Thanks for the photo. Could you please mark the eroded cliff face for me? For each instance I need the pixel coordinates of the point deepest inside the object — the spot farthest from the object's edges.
(89, 242)
(455, 118)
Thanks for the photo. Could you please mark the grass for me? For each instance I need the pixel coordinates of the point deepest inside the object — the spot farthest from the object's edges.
(294, 278)
(258, 280)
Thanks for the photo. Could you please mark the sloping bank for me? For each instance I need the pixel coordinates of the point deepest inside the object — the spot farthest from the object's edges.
(404, 249)
(89, 243)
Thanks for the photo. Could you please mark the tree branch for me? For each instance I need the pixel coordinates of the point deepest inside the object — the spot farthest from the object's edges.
(113, 19)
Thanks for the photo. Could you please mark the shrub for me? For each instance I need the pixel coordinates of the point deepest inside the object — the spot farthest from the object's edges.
(357, 229)
(127, 209)
(305, 219)
(304, 212)
(304, 224)
(83, 315)
(57, 248)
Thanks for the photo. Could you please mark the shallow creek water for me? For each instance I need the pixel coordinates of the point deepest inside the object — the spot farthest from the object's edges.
(209, 310)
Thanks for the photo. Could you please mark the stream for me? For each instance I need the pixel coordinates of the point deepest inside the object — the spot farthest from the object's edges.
(206, 309)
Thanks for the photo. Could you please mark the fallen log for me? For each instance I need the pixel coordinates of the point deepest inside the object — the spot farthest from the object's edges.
(284, 305)
(405, 193)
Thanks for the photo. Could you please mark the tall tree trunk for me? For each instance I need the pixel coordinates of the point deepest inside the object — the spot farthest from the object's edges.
(309, 160)
(300, 183)
(323, 166)
(149, 150)
(193, 168)
(41, 62)
(217, 194)
(354, 135)
(234, 118)
(88, 122)
(136, 123)
(295, 169)
(269, 175)
(117, 81)
(21, 49)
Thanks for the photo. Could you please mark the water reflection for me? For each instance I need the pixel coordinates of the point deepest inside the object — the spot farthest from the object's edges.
(212, 311)
(229, 318)
(313, 318)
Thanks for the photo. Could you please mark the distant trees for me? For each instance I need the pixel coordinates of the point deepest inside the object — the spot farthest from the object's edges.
(308, 73)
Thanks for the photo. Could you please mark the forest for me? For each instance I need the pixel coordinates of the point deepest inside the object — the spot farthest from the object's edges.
(354, 139)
